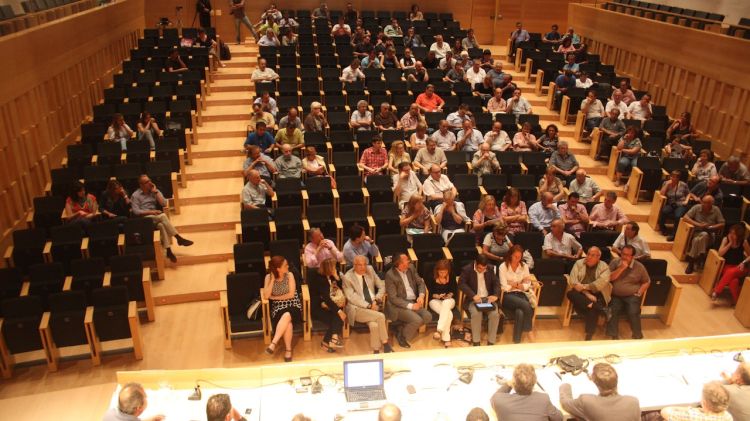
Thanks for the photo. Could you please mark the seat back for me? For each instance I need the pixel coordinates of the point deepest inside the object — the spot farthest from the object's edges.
(290, 249)
(66, 244)
(242, 289)
(531, 241)
(103, 239)
(87, 275)
(391, 244)
(551, 274)
(21, 323)
(127, 270)
(255, 227)
(111, 312)
(11, 283)
(601, 239)
(386, 217)
(27, 248)
(248, 257)
(289, 224)
(67, 314)
(139, 237)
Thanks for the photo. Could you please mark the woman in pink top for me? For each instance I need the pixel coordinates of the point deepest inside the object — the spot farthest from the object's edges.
(80, 207)
(513, 211)
(525, 141)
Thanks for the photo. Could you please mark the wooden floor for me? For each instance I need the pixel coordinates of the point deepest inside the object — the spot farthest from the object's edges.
(187, 331)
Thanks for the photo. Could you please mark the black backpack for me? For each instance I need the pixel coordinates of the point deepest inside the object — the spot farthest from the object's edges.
(224, 53)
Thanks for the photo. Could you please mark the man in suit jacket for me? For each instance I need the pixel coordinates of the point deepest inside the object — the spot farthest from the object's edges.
(525, 404)
(608, 405)
(488, 290)
(406, 299)
(364, 292)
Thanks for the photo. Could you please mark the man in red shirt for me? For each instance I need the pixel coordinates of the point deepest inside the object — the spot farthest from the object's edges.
(429, 101)
(374, 159)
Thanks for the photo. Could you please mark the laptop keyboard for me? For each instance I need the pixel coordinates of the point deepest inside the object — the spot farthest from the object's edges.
(365, 395)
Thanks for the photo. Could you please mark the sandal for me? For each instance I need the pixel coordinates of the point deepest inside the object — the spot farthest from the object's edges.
(327, 347)
(288, 356)
(436, 336)
(335, 343)
(271, 349)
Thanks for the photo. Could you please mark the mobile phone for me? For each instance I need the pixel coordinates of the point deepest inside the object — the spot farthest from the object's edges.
(248, 411)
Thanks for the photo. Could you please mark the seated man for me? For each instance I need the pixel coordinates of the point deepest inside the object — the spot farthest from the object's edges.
(450, 216)
(374, 160)
(518, 36)
(553, 36)
(263, 73)
(590, 292)
(428, 156)
(563, 162)
(267, 103)
(352, 73)
(525, 403)
(625, 93)
(468, 137)
(574, 215)
(565, 81)
(480, 285)
(475, 74)
(435, 185)
(494, 78)
(148, 202)
(291, 120)
(543, 212)
(456, 119)
(406, 299)
(517, 104)
(714, 404)
(359, 244)
(497, 103)
(630, 281)
(712, 187)
(288, 164)
(570, 64)
(255, 191)
(365, 293)
(361, 117)
(608, 405)
(612, 129)
(455, 73)
(290, 136)
(439, 47)
(131, 403)
(484, 161)
(629, 236)
(617, 103)
(708, 222)
(385, 119)
(319, 249)
(259, 162)
(640, 110)
(270, 39)
(219, 408)
(429, 101)
(607, 216)
(260, 137)
(444, 137)
(412, 118)
(470, 41)
(175, 63)
(584, 81)
(738, 387)
(593, 111)
(260, 116)
(734, 172)
(405, 184)
(561, 245)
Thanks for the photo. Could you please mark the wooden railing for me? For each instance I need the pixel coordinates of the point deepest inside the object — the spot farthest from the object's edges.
(30, 20)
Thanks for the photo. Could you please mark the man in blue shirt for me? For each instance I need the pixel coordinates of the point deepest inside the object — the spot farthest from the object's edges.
(552, 37)
(570, 64)
(260, 138)
(542, 213)
(563, 82)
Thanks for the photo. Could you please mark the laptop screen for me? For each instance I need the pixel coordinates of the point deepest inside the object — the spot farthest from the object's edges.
(363, 373)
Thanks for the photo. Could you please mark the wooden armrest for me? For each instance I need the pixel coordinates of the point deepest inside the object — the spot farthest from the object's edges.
(339, 224)
(152, 156)
(238, 233)
(305, 293)
(412, 254)
(95, 160)
(305, 196)
(271, 227)
(121, 240)
(25, 289)
(85, 246)
(370, 221)
(107, 281)
(447, 253)
(223, 300)
(68, 284)
(88, 318)
(263, 299)
(305, 225)
(47, 251)
(132, 310)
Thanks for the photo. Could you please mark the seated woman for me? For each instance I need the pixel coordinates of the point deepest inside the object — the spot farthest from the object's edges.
(682, 128)
(443, 294)
(549, 140)
(416, 217)
(397, 155)
(629, 147)
(418, 139)
(115, 202)
(290, 38)
(704, 168)
(496, 245)
(148, 129)
(678, 148)
(415, 13)
(119, 131)
(513, 211)
(486, 216)
(518, 297)
(80, 207)
(333, 301)
(280, 288)
(675, 206)
(734, 249)
(550, 183)
(525, 141)
(567, 47)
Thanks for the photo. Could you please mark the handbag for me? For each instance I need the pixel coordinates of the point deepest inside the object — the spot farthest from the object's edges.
(252, 309)
(571, 364)
(337, 296)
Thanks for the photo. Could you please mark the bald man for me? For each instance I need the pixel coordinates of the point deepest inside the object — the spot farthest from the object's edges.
(591, 290)
(131, 402)
(738, 387)
(389, 412)
(255, 191)
(708, 221)
(288, 164)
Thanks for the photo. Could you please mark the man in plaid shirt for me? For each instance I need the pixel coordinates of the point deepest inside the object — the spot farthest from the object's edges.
(374, 159)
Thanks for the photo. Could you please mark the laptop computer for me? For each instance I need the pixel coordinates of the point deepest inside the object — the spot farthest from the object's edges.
(363, 384)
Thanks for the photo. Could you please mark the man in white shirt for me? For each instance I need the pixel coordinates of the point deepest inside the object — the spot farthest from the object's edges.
(444, 138)
(352, 72)
(475, 74)
(263, 73)
(583, 81)
(456, 119)
(640, 110)
(405, 184)
(448, 62)
(593, 111)
(617, 102)
(439, 47)
(559, 244)
(585, 186)
(406, 299)
(629, 237)
(469, 138)
(435, 185)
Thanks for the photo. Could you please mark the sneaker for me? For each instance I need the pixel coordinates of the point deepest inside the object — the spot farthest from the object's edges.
(172, 258)
(670, 238)
(387, 348)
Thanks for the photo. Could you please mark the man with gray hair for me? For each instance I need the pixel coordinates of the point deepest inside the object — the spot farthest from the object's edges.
(564, 162)
(469, 138)
(131, 402)
(708, 222)
(608, 405)
(525, 404)
(484, 161)
(255, 191)
(365, 292)
(714, 403)
(585, 186)
(361, 117)
(288, 164)
(385, 119)
(219, 408)
(590, 288)
(734, 172)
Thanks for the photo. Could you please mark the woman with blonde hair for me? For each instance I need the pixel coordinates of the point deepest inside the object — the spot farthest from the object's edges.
(551, 183)
(397, 155)
(333, 302)
(416, 217)
(486, 216)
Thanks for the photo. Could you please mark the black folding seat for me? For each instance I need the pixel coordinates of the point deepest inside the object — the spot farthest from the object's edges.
(467, 186)
(319, 190)
(391, 244)
(86, 275)
(510, 162)
(21, 318)
(128, 271)
(61, 181)
(254, 226)
(27, 248)
(380, 188)
(102, 239)
(66, 326)
(248, 258)
(531, 241)
(45, 279)
(345, 163)
(386, 216)
(551, 274)
(160, 173)
(107, 154)
(349, 188)
(114, 318)
(66, 244)
(139, 238)
(456, 163)
(47, 211)
(290, 250)
(11, 283)
(289, 226)
(242, 290)
(526, 184)
(128, 175)
(463, 249)
(324, 218)
(138, 151)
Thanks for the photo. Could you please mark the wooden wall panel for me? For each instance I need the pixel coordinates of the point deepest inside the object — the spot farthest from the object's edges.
(536, 15)
(55, 76)
(686, 69)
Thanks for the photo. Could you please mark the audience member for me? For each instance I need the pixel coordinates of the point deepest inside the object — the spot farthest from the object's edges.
(518, 295)
(175, 63)
(443, 290)
(675, 192)
(456, 119)
(390, 60)
(571, 65)
(550, 183)
(263, 73)
(563, 162)
(314, 164)
(708, 222)
(605, 406)
(80, 207)
(470, 41)
(435, 185)
(405, 184)
(321, 12)
(359, 244)
(518, 105)
(149, 202)
(333, 302)
(518, 36)
(480, 285)
(291, 120)
(738, 388)
(408, 62)
(484, 161)
(574, 215)
(316, 122)
(712, 187)
(148, 129)
(590, 290)
(430, 156)
(496, 103)
(550, 140)
(565, 81)
(475, 74)
(418, 73)
(469, 138)
(617, 103)
(372, 60)
(498, 138)
(714, 404)
(406, 299)
(429, 101)
(559, 244)
(525, 404)
(219, 408)
(607, 216)
(269, 39)
(280, 288)
(629, 148)
(362, 49)
(319, 249)
(288, 164)
(290, 38)
(704, 168)
(385, 119)
(450, 216)
(493, 79)
(566, 46)
(256, 160)
(419, 138)
(439, 47)
(584, 81)
(525, 141)
(365, 293)
(513, 211)
(374, 160)
(444, 137)
(396, 156)
(612, 128)
(119, 131)
(260, 138)
(682, 128)
(624, 92)
(393, 29)
(734, 249)
(587, 189)
(341, 29)
(412, 39)
(543, 212)
(352, 72)
(431, 61)
(258, 116)
(734, 172)
(553, 36)
(290, 136)
(486, 216)
(131, 403)
(593, 111)
(640, 110)
(255, 191)
(115, 202)
(412, 118)
(629, 237)
(496, 244)
(630, 281)
(351, 14)
(416, 218)
(361, 117)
